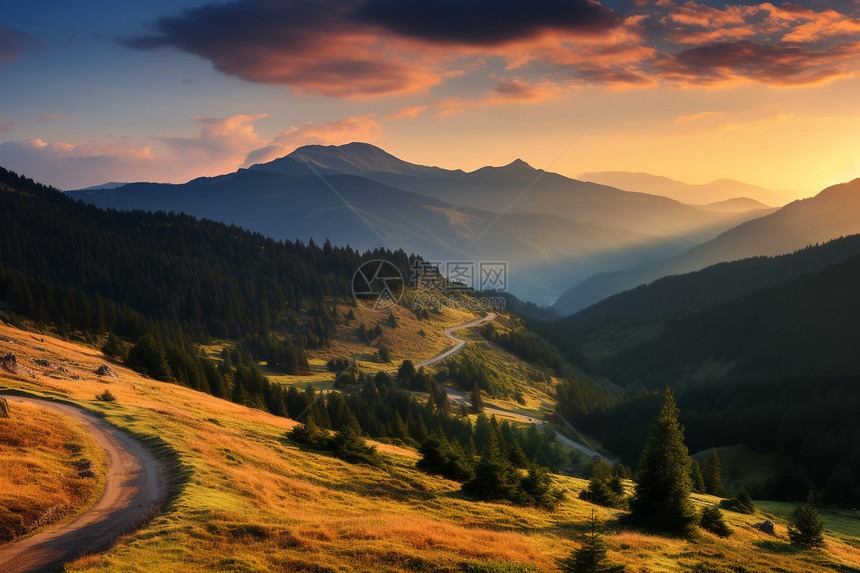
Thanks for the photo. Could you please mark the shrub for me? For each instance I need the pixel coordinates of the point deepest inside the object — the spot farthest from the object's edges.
(712, 520)
(106, 396)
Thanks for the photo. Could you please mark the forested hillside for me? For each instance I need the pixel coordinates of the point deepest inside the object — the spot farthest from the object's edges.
(160, 284)
(775, 370)
(715, 284)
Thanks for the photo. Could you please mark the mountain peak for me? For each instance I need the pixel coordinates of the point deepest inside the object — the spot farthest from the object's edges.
(519, 163)
(356, 158)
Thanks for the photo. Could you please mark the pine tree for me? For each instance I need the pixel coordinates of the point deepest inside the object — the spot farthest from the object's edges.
(662, 498)
(696, 478)
(114, 348)
(477, 400)
(591, 557)
(712, 474)
(806, 529)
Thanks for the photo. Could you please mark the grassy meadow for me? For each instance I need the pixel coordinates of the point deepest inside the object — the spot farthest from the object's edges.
(244, 498)
(52, 469)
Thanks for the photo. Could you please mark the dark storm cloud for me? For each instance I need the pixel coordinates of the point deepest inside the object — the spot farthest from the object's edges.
(485, 22)
(372, 48)
(773, 64)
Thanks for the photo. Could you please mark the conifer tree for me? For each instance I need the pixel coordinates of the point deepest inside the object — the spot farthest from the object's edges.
(591, 557)
(806, 529)
(712, 474)
(662, 498)
(696, 478)
(477, 400)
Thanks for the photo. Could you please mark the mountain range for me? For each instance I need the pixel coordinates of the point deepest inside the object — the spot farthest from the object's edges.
(551, 230)
(833, 213)
(714, 192)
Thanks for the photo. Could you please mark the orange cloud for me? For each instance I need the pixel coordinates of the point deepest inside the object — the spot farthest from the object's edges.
(374, 48)
(221, 146)
(507, 91)
(733, 63)
(363, 128)
(408, 112)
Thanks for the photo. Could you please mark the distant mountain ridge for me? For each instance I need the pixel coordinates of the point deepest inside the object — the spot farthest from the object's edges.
(716, 191)
(833, 213)
(716, 284)
(559, 232)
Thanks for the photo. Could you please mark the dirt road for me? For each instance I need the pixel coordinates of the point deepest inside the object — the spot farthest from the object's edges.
(458, 398)
(136, 483)
(459, 342)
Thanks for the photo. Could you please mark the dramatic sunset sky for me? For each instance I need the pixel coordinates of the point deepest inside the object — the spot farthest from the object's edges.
(167, 90)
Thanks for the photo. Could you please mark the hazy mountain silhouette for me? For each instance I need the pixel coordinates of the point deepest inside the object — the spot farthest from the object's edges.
(713, 192)
(833, 213)
(560, 232)
(716, 284)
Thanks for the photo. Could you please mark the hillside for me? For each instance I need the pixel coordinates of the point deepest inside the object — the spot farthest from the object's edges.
(245, 498)
(833, 213)
(560, 232)
(239, 316)
(774, 369)
(716, 284)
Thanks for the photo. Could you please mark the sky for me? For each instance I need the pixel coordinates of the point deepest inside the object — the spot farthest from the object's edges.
(169, 90)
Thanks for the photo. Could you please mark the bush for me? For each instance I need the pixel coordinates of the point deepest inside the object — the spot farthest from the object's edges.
(741, 503)
(309, 434)
(106, 396)
(350, 446)
(712, 520)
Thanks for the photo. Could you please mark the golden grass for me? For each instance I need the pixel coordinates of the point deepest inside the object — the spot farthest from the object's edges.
(42, 454)
(248, 500)
(404, 341)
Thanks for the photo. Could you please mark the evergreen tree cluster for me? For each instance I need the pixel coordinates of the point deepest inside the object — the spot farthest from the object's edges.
(528, 346)
(774, 370)
(605, 486)
(384, 409)
(208, 279)
(158, 284)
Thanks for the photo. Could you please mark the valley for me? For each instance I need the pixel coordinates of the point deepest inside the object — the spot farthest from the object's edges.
(385, 286)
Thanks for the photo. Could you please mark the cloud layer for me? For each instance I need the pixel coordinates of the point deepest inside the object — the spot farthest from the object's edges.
(221, 146)
(373, 48)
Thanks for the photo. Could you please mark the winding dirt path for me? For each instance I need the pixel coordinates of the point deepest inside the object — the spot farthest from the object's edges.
(457, 397)
(459, 343)
(136, 483)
